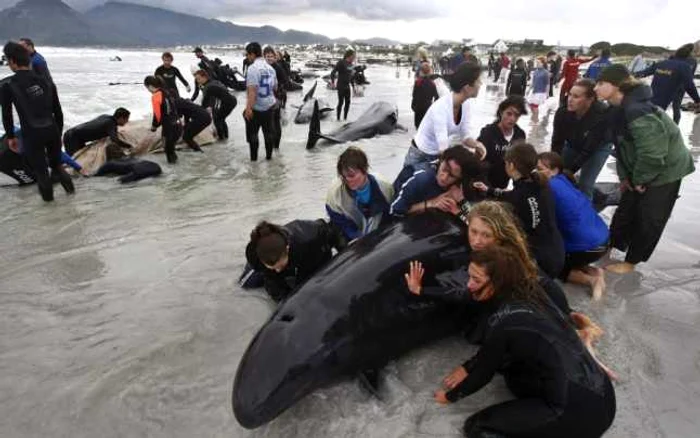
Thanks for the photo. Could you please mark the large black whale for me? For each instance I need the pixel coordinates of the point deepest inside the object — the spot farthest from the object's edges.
(354, 314)
(380, 118)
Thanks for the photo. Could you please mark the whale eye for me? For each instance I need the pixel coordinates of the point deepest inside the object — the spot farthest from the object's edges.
(287, 318)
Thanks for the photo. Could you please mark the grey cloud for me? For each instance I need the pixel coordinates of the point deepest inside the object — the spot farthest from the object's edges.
(361, 9)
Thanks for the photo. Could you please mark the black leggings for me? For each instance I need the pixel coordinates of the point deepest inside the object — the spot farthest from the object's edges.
(260, 119)
(418, 117)
(586, 414)
(72, 144)
(219, 115)
(343, 97)
(577, 260)
(640, 220)
(171, 134)
(277, 125)
(193, 127)
(41, 146)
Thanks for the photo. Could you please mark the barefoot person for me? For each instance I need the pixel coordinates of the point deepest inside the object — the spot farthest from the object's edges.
(584, 232)
(652, 160)
(559, 388)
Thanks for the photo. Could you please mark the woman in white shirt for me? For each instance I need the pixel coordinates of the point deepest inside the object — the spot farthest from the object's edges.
(448, 117)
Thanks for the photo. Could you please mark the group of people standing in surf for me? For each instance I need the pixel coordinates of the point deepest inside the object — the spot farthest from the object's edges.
(39, 141)
(522, 238)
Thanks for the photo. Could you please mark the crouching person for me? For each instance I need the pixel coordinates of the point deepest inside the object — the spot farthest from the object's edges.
(286, 256)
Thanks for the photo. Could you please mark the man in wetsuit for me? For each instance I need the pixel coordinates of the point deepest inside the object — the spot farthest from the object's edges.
(218, 100)
(343, 71)
(96, 129)
(206, 64)
(39, 64)
(261, 84)
(40, 117)
(169, 73)
(196, 119)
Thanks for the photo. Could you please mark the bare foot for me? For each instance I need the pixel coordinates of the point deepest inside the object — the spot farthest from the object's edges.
(588, 331)
(620, 268)
(598, 286)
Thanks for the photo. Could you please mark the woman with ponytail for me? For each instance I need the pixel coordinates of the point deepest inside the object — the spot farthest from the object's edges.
(164, 115)
(652, 159)
(533, 204)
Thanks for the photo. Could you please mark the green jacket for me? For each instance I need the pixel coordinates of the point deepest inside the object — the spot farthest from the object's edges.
(650, 148)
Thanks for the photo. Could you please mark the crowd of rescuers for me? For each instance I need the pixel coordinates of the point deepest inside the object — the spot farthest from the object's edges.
(530, 219)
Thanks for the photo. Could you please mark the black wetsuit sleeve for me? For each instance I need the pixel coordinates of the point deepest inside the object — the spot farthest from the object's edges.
(179, 76)
(434, 92)
(454, 294)
(509, 83)
(113, 135)
(7, 115)
(559, 134)
(57, 110)
(485, 364)
(208, 97)
(196, 93)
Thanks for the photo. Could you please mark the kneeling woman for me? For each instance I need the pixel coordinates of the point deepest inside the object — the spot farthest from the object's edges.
(287, 256)
(560, 390)
(584, 232)
(442, 185)
(533, 204)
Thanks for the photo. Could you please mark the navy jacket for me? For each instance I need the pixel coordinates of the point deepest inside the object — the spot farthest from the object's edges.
(670, 77)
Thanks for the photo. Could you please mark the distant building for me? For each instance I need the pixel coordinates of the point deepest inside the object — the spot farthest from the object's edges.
(500, 46)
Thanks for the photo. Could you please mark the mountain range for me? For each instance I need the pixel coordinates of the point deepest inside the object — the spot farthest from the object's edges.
(52, 22)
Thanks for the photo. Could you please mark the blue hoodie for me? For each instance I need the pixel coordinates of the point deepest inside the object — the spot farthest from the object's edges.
(579, 224)
(596, 67)
(540, 81)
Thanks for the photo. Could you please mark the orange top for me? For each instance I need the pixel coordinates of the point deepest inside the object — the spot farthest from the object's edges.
(157, 102)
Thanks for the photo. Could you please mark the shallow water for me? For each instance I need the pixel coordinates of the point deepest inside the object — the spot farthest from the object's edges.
(120, 314)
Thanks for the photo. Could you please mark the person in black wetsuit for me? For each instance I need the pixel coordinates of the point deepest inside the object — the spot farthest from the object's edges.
(280, 93)
(499, 136)
(218, 100)
(559, 389)
(98, 128)
(164, 115)
(196, 119)
(517, 80)
(343, 71)
(205, 64)
(424, 93)
(534, 206)
(169, 73)
(287, 256)
(40, 116)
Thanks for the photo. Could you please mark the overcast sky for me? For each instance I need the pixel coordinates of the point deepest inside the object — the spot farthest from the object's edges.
(662, 22)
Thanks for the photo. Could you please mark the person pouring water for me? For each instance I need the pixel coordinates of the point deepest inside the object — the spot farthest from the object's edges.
(448, 117)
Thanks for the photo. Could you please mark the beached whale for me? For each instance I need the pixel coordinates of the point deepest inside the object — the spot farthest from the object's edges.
(354, 314)
(380, 118)
(306, 110)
